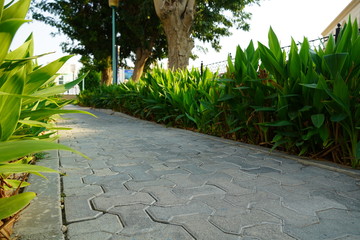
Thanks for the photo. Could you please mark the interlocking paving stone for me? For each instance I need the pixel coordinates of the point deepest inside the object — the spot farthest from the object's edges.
(165, 214)
(261, 170)
(87, 190)
(267, 231)
(186, 180)
(103, 226)
(73, 181)
(162, 232)
(288, 216)
(349, 203)
(103, 172)
(135, 219)
(230, 187)
(198, 191)
(166, 184)
(334, 223)
(199, 226)
(285, 179)
(234, 222)
(109, 200)
(312, 204)
(348, 237)
(137, 186)
(109, 180)
(165, 196)
(194, 169)
(159, 172)
(247, 201)
(78, 208)
(92, 236)
(258, 182)
(137, 172)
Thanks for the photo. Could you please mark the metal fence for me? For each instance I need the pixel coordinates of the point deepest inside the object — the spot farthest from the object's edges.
(221, 66)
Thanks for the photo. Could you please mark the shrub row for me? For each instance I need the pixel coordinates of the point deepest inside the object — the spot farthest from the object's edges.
(305, 101)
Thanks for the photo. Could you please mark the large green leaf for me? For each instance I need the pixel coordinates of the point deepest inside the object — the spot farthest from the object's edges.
(21, 52)
(16, 10)
(294, 61)
(8, 29)
(335, 63)
(51, 91)
(274, 45)
(10, 106)
(42, 75)
(48, 126)
(11, 205)
(270, 62)
(12, 150)
(44, 113)
(24, 168)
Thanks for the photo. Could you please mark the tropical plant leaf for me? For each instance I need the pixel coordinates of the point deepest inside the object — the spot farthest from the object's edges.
(24, 168)
(12, 150)
(8, 29)
(16, 10)
(318, 120)
(14, 184)
(11, 205)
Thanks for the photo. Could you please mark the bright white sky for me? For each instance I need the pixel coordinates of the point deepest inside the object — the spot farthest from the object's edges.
(288, 18)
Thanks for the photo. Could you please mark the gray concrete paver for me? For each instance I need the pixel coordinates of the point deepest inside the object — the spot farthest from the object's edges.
(77, 208)
(199, 227)
(166, 214)
(103, 226)
(146, 181)
(111, 199)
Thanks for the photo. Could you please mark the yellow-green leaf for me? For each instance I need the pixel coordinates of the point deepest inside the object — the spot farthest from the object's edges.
(11, 205)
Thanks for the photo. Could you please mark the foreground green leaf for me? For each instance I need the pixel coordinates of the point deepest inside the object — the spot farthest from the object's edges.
(11, 205)
(12, 150)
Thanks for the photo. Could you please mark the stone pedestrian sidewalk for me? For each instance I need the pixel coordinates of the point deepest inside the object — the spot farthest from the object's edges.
(146, 181)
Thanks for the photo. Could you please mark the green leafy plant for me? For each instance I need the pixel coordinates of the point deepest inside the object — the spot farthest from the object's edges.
(27, 107)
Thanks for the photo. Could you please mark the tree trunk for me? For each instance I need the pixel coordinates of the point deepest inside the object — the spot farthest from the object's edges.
(142, 56)
(177, 18)
(106, 73)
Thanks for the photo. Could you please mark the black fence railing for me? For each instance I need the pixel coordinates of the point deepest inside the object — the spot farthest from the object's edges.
(315, 43)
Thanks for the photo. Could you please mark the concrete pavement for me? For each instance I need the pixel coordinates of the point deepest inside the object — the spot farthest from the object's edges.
(146, 181)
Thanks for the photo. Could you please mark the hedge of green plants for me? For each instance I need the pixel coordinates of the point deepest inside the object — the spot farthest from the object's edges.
(305, 101)
(28, 107)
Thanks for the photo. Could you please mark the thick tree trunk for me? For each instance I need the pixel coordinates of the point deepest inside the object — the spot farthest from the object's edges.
(142, 56)
(177, 17)
(106, 73)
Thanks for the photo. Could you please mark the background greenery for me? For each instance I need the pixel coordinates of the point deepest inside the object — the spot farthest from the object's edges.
(304, 101)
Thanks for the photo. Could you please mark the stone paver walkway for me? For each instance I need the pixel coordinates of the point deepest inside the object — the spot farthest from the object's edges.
(146, 181)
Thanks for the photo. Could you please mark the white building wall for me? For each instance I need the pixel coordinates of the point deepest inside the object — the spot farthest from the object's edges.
(352, 10)
(68, 73)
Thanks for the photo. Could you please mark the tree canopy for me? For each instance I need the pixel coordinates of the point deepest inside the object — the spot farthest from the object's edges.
(87, 25)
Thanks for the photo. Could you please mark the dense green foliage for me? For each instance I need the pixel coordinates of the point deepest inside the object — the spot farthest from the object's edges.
(304, 101)
(27, 109)
(92, 79)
